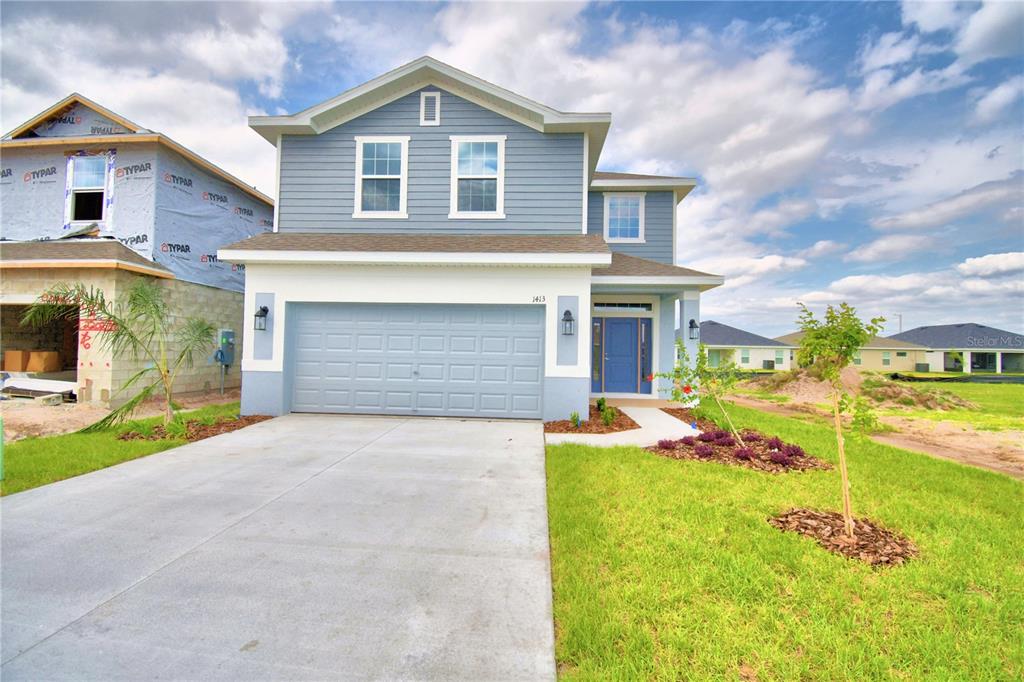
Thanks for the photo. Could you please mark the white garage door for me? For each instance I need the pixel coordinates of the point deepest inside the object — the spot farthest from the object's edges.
(453, 360)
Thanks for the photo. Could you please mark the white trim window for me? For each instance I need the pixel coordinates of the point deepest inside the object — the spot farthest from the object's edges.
(430, 108)
(88, 188)
(478, 177)
(624, 217)
(382, 174)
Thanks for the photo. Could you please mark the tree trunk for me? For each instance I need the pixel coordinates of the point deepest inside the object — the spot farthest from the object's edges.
(847, 506)
(729, 422)
(168, 401)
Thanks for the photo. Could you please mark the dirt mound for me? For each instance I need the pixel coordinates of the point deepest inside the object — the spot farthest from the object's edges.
(801, 386)
(884, 391)
(870, 543)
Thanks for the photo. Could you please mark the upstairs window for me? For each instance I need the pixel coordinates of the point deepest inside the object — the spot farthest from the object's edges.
(88, 185)
(430, 108)
(381, 177)
(624, 217)
(478, 177)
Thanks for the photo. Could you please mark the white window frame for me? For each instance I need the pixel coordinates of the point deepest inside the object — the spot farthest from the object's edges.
(102, 188)
(423, 108)
(357, 201)
(744, 356)
(608, 196)
(453, 206)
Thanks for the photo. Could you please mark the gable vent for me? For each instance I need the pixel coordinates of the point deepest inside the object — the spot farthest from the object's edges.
(430, 108)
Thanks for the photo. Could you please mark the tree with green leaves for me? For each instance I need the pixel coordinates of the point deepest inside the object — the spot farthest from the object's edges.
(716, 381)
(828, 346)
(137, 326)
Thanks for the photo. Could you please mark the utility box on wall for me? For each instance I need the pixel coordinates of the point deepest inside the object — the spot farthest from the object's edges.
(226, 346)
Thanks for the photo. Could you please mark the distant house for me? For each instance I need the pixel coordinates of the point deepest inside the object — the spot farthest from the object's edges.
(968, 347)
(878, 354)
(747, 350)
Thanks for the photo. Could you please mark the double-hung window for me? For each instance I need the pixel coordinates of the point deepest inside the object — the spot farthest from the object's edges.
(624, 217)
(744, 356)
(779, 358)
(478, 176)
(886, 358)
(382, 174)
(88, 187)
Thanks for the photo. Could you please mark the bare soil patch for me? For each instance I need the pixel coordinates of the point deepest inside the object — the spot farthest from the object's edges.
(870, 543)
(757, 451)
(196, 430)
(593, 424)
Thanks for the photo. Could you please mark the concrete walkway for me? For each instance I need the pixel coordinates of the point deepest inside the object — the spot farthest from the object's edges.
(305, 547)
(654, 425)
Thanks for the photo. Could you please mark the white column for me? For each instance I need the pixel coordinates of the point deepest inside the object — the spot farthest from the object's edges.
(999, 362)
(967, 361)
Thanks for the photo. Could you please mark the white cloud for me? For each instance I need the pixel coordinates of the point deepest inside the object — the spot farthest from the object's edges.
(889, 249)
(932, 16)
(993, 31)
(996, 101)
(977, 198)
(890, 49)
(259, 56)
(884, 88)
(993, 264)
(821, 248)
(742, 270)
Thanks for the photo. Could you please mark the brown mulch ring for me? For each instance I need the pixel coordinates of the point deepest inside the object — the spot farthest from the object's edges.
(593, 424)
(870, 543)
(196, 430)
(714, 444)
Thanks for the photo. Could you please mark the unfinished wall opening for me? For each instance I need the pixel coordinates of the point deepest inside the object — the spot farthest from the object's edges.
(1013, 362)
(49, 351)
(983, 362)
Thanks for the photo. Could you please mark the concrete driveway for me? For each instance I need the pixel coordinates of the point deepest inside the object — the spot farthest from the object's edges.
(306, 547)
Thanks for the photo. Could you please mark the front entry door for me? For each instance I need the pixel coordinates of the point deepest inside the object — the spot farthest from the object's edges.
(620, 354)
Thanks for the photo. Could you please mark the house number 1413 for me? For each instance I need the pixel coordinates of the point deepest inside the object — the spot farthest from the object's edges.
(538, 299)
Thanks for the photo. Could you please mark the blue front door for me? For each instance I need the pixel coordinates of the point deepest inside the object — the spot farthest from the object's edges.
(621, 369)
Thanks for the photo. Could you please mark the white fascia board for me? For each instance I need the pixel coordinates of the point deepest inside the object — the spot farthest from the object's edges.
(703, 283)
(681, 186)
(407, 258)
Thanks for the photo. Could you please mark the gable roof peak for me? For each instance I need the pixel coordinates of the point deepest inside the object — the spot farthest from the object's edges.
(66, 103)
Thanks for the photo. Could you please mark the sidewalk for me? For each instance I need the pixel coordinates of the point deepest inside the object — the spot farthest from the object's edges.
(654, 426)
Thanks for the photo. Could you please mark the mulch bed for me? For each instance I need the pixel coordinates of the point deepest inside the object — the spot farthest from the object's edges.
(762, 452)
(196, 430)
(593, 424)
(870, 543)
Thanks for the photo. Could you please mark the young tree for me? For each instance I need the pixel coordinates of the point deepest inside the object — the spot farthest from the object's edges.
(136, 326)
(715, 381)
(828, 346)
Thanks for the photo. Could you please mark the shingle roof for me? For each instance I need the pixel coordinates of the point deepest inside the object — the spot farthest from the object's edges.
(875, 343)
(614, 175)
(717, 334)
(74, 250)
(631, 266)
(967, 335)
(417, 243)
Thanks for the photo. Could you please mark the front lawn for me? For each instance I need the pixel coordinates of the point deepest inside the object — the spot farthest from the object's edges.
(668, 568)
(999, 406)
(33, 462)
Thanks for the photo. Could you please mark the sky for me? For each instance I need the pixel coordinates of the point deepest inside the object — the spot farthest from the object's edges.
(862, 152)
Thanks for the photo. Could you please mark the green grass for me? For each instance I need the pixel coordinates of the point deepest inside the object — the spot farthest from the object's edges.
(667, 569)
(33, 462)
(763, 395)
(999, 406)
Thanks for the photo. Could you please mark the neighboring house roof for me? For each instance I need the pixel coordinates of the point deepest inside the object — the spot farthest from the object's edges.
(18, 138)
(875, 343)
(77, 253)
(610, 181)
(418, 73)
(630, 270)
(966, 336)
(579, 249)
(717, 334)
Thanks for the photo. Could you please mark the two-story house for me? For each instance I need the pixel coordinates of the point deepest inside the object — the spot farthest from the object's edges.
(446, 247)
(91, 197)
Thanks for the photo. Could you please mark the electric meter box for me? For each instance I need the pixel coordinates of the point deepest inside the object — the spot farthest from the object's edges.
(226, 341)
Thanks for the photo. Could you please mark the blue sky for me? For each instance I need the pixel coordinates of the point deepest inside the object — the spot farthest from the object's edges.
(867, 152)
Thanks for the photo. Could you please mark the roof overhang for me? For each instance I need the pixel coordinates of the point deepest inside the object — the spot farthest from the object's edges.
(680, 186)
(665, 285)
(426, 71)
(84, 263)
(66, 103)
(281, 257)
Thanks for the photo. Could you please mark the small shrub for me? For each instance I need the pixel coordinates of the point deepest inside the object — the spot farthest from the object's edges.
(751, 437)
(688, 440)
(707, 437)
(774, 443)
(793, 451)
(779, 457)
(704, 451)
(602, 404)
(667, 444)
(608, 415)
(721, 433)
(907, 400)
(575, 419)
(176, 429)
(743, 453)
(726, 442)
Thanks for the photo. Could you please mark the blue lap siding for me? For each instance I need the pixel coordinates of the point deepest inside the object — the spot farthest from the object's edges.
(657, 245)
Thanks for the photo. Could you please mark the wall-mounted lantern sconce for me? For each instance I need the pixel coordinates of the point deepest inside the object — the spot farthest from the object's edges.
(260, 323)
(568, 324)
(694, 329)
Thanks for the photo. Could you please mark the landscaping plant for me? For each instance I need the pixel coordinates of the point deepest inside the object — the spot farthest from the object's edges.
(828, 345)
(138, 326)
(715, 381)
(575, 419)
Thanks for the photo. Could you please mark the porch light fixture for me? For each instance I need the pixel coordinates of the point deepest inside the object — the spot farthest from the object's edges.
(694, 329)
(568, 323)
(260, 323)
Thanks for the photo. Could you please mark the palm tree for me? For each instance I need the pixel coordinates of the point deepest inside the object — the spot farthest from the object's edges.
(138, 327)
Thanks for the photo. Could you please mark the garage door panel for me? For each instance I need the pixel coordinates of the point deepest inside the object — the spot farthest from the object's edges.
(418, 359)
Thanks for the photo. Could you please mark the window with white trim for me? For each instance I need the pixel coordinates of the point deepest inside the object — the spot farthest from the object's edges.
(886, 358)
(430, 108)
(779, 357)
(624, 217)
(88, 187)
(382, 171)
(478, 177)
(744, 356)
